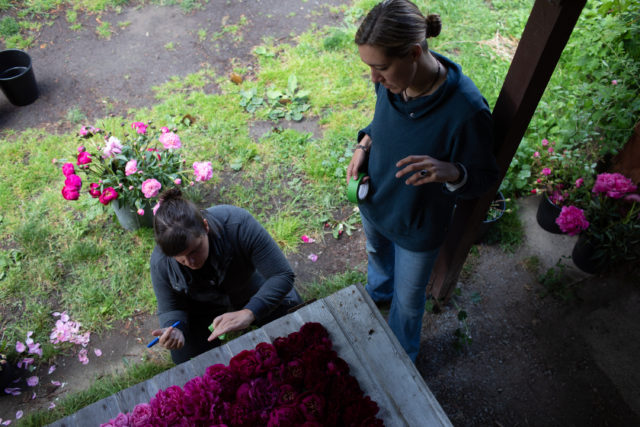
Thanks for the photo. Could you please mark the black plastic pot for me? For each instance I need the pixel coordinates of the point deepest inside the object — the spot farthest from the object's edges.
(17, 80)
(547, 214)
(483, 228)
(585, 258)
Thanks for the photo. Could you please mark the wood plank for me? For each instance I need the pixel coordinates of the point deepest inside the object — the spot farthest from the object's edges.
(545, 35)
(68, 421)
(130, 397)
(177, 375)
(319, 312)
(282, 327)
(97, 413)
(221, 354)
(247, 341)
(376, 345)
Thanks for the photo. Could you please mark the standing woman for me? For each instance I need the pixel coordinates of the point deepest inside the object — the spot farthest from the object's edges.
(215, 267)
(430, 142)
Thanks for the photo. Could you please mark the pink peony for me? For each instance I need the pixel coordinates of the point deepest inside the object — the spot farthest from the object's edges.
(84, 158)
(536, 154)
(546, 171)
(112, 147)
(203, 171)
(73, 181)
(108, 195)
(614, 82)
(177, 181)
(140, 211)
(81, 149)
(68, 169)
(615, 185)
(170, 140)
(571, 220)
(579, 182)
(550, 150)
(150, 188)
(164, 129)
(70, 193)
(131, 167)
(140, 127)
(534, 191)
(545, 142)
(94, 190)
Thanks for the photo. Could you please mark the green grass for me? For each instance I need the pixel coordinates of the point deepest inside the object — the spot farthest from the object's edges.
(332, 284)
(100, 388)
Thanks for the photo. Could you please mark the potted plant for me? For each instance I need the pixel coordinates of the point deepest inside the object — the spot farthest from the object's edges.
(608, 226)
(497, 208)
(563, 179)
(128, 170)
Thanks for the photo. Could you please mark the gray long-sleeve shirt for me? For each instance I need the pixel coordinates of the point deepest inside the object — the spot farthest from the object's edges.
(245, 269)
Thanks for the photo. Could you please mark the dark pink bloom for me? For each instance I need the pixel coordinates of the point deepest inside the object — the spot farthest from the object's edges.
(73, 181)
(108, 195)
(571, 220)
(614, 185)
(142, 415)
(84, 158)
(550, 150)
(536, 154)
(70, 193)
(546, 171)
(579, 182)
(68, 169)
(545, 142)
(140, 127)
(94, 190)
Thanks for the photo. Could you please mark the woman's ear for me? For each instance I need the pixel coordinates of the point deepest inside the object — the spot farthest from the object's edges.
(416, 52)
(206, 225)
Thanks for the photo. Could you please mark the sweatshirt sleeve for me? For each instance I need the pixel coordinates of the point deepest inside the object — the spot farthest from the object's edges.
(473, 148)
(270, 262)
(171, 305)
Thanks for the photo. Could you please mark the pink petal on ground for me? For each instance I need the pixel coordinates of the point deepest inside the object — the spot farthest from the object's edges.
(33, 396)
(313, 257)
(52, 405)
(5, 423)
(14, 391)
(20, 347)
(19, 415)
(56, 383)
(51, 369)
(97, 352)
(32, 381)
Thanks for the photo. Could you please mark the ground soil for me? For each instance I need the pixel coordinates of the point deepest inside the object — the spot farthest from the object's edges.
(533, 360)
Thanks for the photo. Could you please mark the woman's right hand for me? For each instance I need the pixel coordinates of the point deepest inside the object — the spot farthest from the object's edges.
(358, 159)
(170, 338)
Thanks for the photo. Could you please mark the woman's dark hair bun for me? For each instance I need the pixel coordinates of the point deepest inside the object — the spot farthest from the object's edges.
(434, 25)
(171, 194)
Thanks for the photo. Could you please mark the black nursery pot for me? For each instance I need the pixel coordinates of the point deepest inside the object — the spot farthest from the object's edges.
(17, 80)
(547, 214)
(483, 227)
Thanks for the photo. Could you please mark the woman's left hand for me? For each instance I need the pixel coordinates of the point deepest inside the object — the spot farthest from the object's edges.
(426, 169)
(232, 321)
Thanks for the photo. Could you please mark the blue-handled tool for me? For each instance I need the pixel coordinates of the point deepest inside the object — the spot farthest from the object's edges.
(156, 339)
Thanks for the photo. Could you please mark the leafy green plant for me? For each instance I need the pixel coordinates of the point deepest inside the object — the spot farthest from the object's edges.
(104, 30)
(8, 27)
(463, 332)
(290, 103)
(250, 100)
(557, 283)
(75, 115)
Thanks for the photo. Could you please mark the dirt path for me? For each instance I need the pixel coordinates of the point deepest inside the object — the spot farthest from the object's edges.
(533, 360)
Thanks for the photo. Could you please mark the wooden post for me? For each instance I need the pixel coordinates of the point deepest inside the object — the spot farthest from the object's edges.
(546, 34)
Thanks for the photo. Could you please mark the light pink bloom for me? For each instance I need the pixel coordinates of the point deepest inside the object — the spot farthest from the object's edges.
(545, 142)
(82, 356)
(170, 140)
(97, 352)
(192, 183)
(177, 181)
(83, 131)
(572, 220)
(20, 347)
(536, 154)
(579, 182)
(14, 391)
(164, 129)
(614, 82)
(155, 208)
(130, 187)
(140, 127)
(150, 188)
(307, 239)
(203, 171)
(32, 381)
(546, 171)
(112, 147)
(54, 160)
(313, 257)
(550, 150)
(51, 369)
(615, 185)
(131, 167)
(140, 212)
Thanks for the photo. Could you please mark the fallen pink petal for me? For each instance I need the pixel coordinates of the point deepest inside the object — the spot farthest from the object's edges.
(19, 415)
(5, 423)
(33, 396)
(20, 347)
(52, 405)
(51, 369)
(56, 383)
(307, 239)
(32, 381)
(14, 391)
(97, 352)
(313, 257)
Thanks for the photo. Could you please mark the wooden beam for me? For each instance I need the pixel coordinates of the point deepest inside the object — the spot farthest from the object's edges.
(546, 34)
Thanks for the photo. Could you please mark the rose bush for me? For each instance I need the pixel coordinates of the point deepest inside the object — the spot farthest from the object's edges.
(132, 168)
(266, 386)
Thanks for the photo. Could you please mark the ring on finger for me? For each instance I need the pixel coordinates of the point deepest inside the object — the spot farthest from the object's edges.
(424, 172)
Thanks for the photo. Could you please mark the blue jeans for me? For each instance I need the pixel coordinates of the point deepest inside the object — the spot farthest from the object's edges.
(400, 276)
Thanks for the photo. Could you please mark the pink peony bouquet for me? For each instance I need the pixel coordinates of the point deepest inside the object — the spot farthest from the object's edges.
(610, 220)
(132, 166)
(296, 381)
